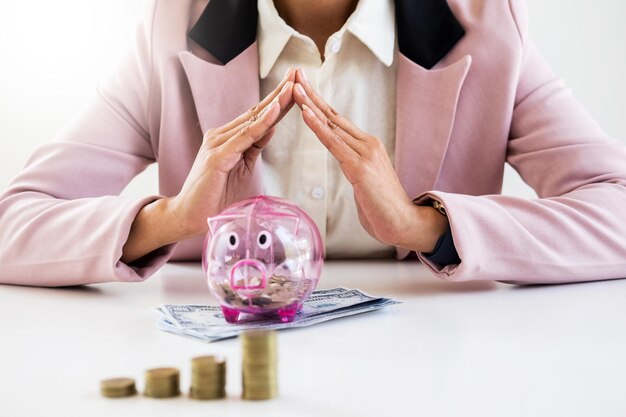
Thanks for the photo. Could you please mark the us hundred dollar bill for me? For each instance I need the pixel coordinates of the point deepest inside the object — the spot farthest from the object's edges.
(206, 323)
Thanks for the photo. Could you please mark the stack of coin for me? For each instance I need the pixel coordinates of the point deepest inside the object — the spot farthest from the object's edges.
(208, 378)
(259, 365)
(162, 383)
(118, 387)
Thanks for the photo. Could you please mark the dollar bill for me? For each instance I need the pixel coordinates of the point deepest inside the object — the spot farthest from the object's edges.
(207, 323)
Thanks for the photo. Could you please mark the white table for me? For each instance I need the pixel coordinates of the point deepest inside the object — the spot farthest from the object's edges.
(451, 349)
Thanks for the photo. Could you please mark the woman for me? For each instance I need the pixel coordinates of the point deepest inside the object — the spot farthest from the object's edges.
(440, 108)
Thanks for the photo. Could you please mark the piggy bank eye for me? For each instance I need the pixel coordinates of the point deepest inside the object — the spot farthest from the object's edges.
(233, 240)
(264, 239)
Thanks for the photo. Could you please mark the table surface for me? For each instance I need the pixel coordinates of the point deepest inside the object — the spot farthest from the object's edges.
(450, 349)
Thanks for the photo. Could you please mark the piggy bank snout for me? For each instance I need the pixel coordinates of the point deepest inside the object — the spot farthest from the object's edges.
(248, 274)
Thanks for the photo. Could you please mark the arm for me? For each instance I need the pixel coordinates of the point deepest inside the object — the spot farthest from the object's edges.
(61, 220)
(575, 230)
(221, 171)
(385, 210)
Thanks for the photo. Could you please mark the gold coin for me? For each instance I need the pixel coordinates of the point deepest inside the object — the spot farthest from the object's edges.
(266, 395)
(158, 373)
(208, 378)
(259, 365)
(200, 394)
(258, 338)
(207, 360)
(162, 383)
(118, 387)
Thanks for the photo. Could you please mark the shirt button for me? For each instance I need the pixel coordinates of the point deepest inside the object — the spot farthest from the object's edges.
(317, 193)
(335, 45)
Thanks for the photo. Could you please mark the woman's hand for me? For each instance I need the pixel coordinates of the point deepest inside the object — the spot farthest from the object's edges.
(221, 175)
(222, 171)
(384, 209)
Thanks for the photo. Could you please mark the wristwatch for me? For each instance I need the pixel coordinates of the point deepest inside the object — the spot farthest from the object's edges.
(439, 207)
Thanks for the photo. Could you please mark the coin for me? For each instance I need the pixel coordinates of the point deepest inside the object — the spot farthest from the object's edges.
(259, 365)
(162, 383)
(279, 292)
(208, 378)
(118, 387)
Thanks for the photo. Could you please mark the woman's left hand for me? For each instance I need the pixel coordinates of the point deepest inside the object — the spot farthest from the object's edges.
(385, 210)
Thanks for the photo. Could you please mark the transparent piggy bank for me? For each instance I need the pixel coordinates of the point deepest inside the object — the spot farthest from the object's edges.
(262, 256)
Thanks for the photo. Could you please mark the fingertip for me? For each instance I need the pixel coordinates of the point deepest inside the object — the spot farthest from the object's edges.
(288, 73)
(307, 110)
(288, 85)
(268, 111)
(299, 89)
(302, 74)
(274, 107)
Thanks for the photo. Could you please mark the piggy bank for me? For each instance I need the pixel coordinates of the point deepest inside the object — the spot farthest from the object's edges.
(262, 256)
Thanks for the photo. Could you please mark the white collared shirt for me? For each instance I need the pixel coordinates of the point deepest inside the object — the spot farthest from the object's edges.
(357, 78)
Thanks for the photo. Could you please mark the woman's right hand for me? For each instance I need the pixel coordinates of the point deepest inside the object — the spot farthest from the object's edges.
(221, 175)
(222, 171)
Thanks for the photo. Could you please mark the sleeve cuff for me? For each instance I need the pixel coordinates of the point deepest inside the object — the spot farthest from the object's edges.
(142, 268)
(444, 252)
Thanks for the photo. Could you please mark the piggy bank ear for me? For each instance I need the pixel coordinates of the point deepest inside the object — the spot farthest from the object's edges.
(294, 222)
(213, 225)
(218, 221)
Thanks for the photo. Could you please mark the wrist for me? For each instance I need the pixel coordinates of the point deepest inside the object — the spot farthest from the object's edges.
(175, 222)
(152, 228)
(425, 226)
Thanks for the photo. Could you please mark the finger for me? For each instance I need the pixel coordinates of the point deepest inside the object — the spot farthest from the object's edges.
(285, 99)
(253, 131)
(251, 155)
(326, 108)
(303, 100)
(329, 138)
(259, 107)
(286, 103)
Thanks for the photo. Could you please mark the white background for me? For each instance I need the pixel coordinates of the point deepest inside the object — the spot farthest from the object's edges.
(52, 54)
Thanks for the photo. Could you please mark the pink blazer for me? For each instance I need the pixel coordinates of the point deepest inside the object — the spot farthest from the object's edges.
(467, 104)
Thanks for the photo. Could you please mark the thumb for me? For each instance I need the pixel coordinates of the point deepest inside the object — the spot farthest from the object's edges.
(250, 156)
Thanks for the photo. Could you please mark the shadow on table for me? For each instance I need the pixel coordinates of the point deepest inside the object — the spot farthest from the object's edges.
(87, 290)
(602, 283)
(386, 277)
(183, 278)
(400, 278)
(432, 287)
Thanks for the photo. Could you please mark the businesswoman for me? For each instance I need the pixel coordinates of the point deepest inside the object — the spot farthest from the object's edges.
(406, 114)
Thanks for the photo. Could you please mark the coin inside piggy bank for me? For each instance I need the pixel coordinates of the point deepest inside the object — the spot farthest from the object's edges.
(262, 256)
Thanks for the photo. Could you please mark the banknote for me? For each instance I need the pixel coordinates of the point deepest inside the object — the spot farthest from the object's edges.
(207, 323)
(201, 316)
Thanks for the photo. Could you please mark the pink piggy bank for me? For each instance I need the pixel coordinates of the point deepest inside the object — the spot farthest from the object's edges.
(262, 256)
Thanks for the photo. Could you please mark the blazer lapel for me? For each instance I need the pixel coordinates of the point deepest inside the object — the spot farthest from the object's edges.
(426, 105)
(222, 65)
(222, 92)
